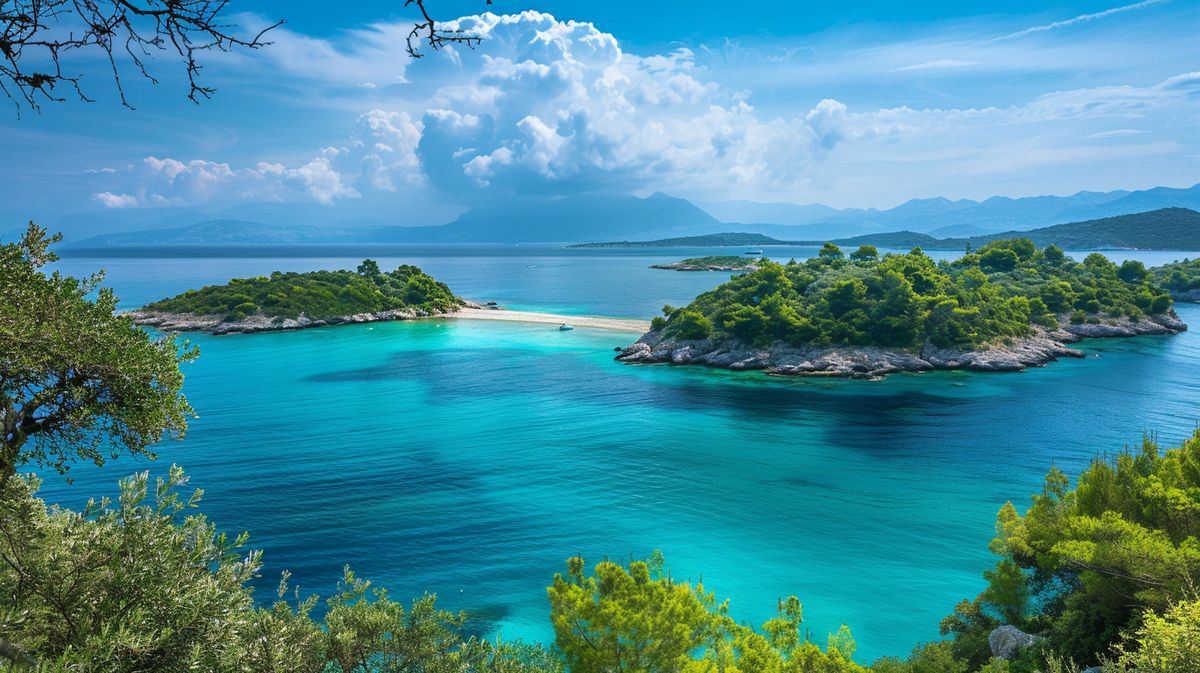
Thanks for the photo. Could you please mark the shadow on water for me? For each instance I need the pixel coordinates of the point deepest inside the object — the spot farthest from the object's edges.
(871, 419)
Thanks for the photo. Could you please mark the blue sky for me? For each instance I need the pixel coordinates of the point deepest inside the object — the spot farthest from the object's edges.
(849, 104)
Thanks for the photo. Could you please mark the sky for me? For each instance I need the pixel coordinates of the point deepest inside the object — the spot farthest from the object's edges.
(855, 103)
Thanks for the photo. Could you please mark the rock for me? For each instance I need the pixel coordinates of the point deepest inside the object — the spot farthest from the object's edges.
(1007, 641)
(1040, 347)
(187, 322)
(1187, 296)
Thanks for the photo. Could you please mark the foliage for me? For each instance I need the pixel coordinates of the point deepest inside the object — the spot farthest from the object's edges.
(316, 294)
(77, 381)
(1167, 643)
(1086, 565)
(632, 618)
(146, 584)
(906, 300)
(1183, 276)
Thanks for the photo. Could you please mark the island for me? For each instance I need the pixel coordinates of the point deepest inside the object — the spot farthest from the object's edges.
(713, 263)
(1005, 307)
(1182, 279)
(289, 300)
(292, 301)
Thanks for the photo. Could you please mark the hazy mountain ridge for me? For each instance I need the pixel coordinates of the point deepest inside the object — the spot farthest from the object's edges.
(943, 216)
(1162, 229)
(609, 218)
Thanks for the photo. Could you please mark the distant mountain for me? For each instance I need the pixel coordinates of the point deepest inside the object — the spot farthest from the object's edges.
(777, 213)
(944, 217)
(217, 233)
(726, 239)
(609, 218)
(1162, 229)
(563, 220)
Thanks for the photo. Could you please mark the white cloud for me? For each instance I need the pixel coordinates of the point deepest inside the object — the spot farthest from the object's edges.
(936, 64)
(1082, 18)
(110, 200)
(560, 106)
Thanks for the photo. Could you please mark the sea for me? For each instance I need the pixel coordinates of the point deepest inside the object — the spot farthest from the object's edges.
(471, 459)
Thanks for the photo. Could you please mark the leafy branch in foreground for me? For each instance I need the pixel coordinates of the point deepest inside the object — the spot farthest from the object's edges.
(76, 380)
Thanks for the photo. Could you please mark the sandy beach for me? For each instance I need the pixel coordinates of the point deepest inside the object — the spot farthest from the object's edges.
(618, 324)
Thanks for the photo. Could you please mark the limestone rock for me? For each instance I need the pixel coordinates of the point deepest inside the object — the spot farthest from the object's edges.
(1007, 641)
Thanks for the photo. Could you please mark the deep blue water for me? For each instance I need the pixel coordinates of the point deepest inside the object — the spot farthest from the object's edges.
(471, 459)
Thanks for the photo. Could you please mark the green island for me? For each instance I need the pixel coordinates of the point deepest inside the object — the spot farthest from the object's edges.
(1100, 574)
(1004, 307)
(713, 263)
(1181, 278)
(289, 300)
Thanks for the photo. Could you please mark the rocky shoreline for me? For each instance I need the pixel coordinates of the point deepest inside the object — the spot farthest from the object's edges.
(190, 322)
(1188, 297)
(1042, 346)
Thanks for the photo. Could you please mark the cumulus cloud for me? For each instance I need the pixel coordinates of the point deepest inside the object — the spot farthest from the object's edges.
(559, 105)
(555, 106)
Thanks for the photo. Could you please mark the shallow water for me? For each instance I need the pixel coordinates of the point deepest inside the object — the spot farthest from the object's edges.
(471, 458)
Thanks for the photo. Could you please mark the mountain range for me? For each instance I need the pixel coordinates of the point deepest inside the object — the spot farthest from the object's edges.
(1162, 229)
(585, 218)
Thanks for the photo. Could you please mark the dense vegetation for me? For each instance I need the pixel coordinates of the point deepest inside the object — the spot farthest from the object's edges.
(1178, 277)
(316, 294)
(904, 301)
(1113, 562)
(1108, 570)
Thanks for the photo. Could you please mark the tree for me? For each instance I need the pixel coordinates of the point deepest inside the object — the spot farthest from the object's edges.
(830, 252)
(1132, 271)
(998, 259)
(628, 620)
(76, 381)
(865, 253)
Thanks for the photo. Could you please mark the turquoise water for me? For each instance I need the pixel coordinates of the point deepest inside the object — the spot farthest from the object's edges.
(472, 458)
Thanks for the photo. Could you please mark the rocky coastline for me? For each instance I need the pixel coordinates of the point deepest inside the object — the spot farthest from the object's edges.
(1042, 346)
(216, 324)
(1187, 297)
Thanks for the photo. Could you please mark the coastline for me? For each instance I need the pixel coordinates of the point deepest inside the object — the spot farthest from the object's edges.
(1041, 347)
(188, 322)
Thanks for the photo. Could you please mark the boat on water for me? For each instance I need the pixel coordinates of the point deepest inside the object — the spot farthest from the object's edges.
(565, 327)
(753, 252)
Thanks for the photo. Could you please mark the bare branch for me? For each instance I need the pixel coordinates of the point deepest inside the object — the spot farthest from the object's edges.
(36, 36)
(426, 30)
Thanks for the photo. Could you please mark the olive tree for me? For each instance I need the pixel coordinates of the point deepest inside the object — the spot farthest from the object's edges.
(77, 380)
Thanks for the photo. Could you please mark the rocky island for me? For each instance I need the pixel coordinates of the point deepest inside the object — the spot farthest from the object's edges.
(712, 263)
(289, 301)
(1006, 307)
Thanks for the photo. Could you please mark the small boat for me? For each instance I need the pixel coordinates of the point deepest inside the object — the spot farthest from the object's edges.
(753, 252)
(565, 328)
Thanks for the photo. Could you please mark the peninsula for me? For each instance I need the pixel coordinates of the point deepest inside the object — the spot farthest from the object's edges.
(1006, 307)
(291, 301)
(713, 263)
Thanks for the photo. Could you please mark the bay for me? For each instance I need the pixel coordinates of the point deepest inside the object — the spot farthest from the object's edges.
(470, 459)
